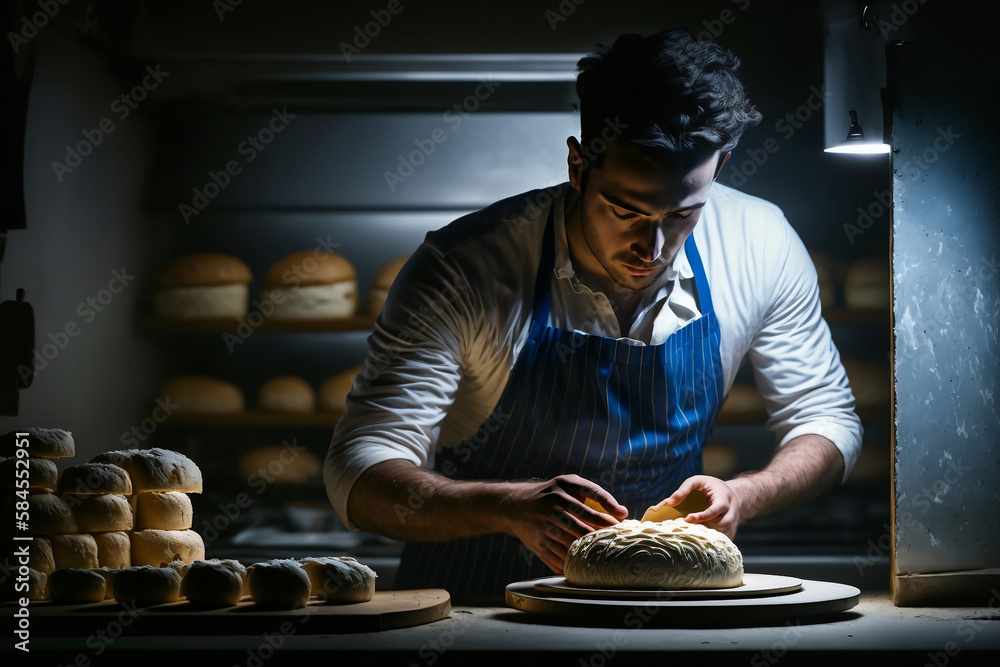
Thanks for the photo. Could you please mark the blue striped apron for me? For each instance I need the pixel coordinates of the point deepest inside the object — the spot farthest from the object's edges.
(632, 418)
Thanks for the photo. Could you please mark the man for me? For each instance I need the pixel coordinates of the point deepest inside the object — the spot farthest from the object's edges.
(574, 344)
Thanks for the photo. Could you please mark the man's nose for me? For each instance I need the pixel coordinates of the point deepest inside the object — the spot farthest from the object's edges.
(650, 245)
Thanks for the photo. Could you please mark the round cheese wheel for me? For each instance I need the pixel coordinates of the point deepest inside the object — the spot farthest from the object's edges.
(88, 478)
(168, 510)
(114, 550)
(50, 515)
(155, 547)
(42, 473)
(145, 586)
(40, 555)
(647, 555)
(279, 583)
(212, 584)
(76, 585)
(340, 580)
(199, 394)
(100, 513)
(311, 284)
(46, 443)
(74, 551)
(156, 469)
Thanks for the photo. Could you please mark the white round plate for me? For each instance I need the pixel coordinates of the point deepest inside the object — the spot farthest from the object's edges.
(754, 585)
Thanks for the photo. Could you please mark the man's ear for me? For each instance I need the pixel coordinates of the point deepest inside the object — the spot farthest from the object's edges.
(722, 163)
(575, 163)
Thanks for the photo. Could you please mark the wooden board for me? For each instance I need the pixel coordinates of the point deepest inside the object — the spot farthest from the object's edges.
(385, 611)
(813, 599)
(754, 585)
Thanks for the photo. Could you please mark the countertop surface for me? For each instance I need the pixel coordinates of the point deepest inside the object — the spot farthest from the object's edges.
(873, 632)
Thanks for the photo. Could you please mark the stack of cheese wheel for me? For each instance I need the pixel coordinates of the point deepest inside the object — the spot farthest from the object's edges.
(98, 495)
(56, 539)
(161, 480)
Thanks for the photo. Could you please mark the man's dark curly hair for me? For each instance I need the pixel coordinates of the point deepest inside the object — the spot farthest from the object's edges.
(678, 95)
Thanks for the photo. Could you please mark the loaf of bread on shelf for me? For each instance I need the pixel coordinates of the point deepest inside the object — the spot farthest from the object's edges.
(200, 394)
(203, 286)
(333, 392)
(312, 284)
(281, 465)
(382, 282)
(40, 556)
(46, 443)
(95, 478)
(156, 469)
(41, 475)
(286, 394)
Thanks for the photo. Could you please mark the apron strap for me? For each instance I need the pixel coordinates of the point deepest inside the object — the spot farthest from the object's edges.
(543, 281)
(700, 279)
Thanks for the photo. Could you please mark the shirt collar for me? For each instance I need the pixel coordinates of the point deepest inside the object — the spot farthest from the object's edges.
(679, 268)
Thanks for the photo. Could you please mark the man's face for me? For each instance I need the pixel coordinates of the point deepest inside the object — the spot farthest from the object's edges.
(636, 214)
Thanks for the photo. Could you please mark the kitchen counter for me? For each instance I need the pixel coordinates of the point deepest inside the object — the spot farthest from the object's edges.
(874, 632)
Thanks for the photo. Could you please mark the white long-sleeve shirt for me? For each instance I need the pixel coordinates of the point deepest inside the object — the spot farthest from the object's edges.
(458, 314)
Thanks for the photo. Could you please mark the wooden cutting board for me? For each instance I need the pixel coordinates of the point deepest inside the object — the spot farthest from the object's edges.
(385, 611)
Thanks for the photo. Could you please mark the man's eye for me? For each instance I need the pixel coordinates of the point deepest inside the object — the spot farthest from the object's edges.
(681, 216)
(620, 216)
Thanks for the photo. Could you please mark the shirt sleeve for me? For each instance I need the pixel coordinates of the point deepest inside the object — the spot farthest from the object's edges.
(398, 401)
(796, 366)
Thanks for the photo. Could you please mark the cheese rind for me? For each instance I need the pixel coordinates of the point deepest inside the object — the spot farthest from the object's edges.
(671, 554)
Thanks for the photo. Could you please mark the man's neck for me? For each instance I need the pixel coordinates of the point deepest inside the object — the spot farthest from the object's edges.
(589, 271)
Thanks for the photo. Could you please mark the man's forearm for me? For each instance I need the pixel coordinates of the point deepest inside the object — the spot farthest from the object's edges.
(797, 473)
(405, 502)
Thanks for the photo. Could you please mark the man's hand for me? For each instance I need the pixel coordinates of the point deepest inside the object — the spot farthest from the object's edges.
(724, 511)
(548, 515)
